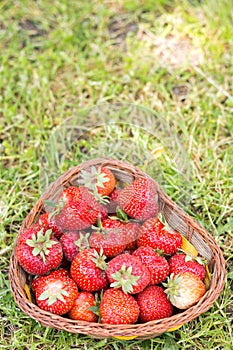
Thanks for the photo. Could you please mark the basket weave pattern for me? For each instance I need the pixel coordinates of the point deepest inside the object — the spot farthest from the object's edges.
(175, 217)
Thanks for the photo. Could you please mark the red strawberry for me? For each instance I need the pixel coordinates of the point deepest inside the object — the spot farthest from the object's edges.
(47, 220)
(153, 304)
(140, 199)
(81, 308)
(100, 180)
(38, 251)
(154, 234)
(156, 264)
(37, 281)
(33, 229)
(110, 237)
(127, 272)
(72, 242)
(56, 294)
(117, 307)
(78, 209)
(88, 270)
(184, 290)
(184, 263)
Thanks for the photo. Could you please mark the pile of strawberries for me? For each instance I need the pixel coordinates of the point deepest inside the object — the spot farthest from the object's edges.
(102, 254)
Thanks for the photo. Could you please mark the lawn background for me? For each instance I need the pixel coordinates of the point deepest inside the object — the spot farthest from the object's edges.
(173, 57)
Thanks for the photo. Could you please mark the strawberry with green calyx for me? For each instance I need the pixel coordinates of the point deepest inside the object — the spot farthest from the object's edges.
(100, 180)
(77, 209)
(38, 279)
(116, 307)
(109, 236)
(153, 304)
(184, 290)
(156, 264)
(72, 242)
(82, 308)
(154, 234)
(47, 220)
(88, 270)
(56, 294)
(139, 200)
(38, 251)
(128, 273)
(186, 263)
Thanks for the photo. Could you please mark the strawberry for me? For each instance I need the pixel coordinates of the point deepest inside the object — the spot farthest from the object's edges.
(56, 294)
(184, 290)
(153, 304)
(117, 307)
(127, 272)
(46, 220)
(37, 281)
(154, 234)
(156, 264)
(72, 242)
(185, 263)
(139, 200)
(100, 180)
(88, 270)
(109, 237)
(38, 251)
(78, 209)
(81, 308)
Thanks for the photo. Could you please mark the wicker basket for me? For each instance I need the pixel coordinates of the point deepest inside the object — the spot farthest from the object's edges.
(176, 218)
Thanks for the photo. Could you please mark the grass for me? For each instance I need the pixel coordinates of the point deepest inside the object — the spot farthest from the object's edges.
(173, 58)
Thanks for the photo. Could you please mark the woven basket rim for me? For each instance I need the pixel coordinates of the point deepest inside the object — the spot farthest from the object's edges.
(98, 330)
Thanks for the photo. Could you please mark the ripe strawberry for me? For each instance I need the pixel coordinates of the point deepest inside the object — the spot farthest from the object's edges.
(100, 180)
(154, 234)
(110, 237)
(117, 307)
(127, 272)
(139, 200)
(184, 290)
(80, 310)
(72, 242)
(88, 270)
(38, 251)
(56, 294)
(153, 304)
(184, 263)
(47, 220)
(156, 264)
(57, 273)
(78, 209)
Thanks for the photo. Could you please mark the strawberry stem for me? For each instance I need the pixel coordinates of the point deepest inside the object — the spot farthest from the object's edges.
(124, 279)
(41, 243)
(99, 259)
